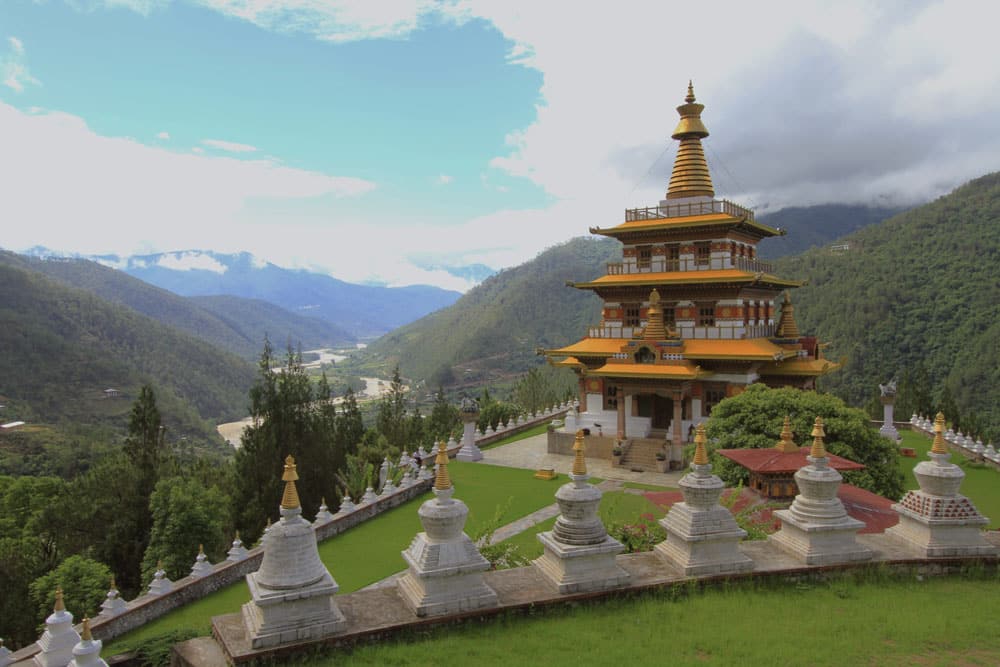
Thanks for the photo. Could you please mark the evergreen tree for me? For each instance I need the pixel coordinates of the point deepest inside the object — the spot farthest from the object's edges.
(350, 425)
(390, 420)
(443, 419)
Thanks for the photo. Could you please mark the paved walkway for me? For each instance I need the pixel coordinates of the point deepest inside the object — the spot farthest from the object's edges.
(532, 454)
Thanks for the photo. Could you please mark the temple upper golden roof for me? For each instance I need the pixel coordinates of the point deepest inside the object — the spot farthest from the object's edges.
(752, 349)
(687, 278)
(673, 222)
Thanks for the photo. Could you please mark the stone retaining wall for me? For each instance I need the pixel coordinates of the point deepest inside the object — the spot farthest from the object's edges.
(597, 447)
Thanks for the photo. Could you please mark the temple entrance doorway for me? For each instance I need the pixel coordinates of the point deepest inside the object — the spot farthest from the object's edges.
(663, 412)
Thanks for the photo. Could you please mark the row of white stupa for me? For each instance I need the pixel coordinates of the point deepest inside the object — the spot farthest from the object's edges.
(971, 446)
(293, 593)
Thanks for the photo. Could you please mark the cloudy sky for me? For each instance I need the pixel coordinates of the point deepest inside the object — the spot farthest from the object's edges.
(389, 140)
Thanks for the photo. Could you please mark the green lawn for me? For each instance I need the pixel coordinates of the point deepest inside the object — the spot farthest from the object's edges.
(370, 552)
(531, 432)
(981, 484)
(897, 622)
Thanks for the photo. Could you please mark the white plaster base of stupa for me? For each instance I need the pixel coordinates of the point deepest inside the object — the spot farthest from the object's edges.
(445, 577)
(940, 538)
(470, 450)
(703, 542)
(888, 430)
(581, 568)
(279, 616)
(826, 543)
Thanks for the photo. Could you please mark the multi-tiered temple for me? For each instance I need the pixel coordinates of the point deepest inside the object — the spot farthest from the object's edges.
(690, 314)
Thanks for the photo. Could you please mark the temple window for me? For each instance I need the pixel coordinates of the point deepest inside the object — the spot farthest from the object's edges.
(645, 356)
(669, 318)
(644, 256)
(706, 316)
(712, 398)
(673, 257)
(610, 397)
(702, 254)
(631, 315)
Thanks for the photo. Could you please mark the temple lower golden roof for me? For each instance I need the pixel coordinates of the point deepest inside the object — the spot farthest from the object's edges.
(800, 367)
(651, 371)
(713, 276)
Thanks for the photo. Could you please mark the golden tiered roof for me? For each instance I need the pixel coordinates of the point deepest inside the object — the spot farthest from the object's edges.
(690, 177)
(752, 349)
(712, 276)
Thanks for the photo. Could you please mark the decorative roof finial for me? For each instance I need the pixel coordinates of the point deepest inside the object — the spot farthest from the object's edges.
(690, 96)
(818, 449)
(59, 605)
(938, 447)
(579, 462)
(787, 328)
(690, 177)
(85, 635)
(654, 320)
(786, 444)
(700, 455)
(290, 498)
(442, 482)
(114, 586)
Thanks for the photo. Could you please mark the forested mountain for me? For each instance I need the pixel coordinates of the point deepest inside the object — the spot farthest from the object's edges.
(232, 323)
(62, 347)
(495, 327)
(810, 226)
(362, 310)
(917, 296)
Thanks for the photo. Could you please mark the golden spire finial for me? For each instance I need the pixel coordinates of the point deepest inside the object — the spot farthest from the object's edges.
(114, 586)
(818, 449)
(579, 462)
(237, 536)
(654, 319)
(787, 328)
(442, 482)
(85, 635)
(700, 455)
(201, 549)
(786, 444)
(690, 177)
(59, 605)
(938, 447)
(290, 498)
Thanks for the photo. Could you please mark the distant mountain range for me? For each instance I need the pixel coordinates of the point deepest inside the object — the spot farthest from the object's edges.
(811, 226)
(360, 310)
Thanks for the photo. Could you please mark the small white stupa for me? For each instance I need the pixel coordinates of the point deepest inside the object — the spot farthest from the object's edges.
(5, 654)
(323, 515)
(702, 535)
(346, 505)
(579, 554)
(59, 638)
(937, 521)
(202, 566)
(113, 603)
(87, 652)
(237, 551)
(816, 528)
(292, 592)
(445, 570)
(161, 584)
(368, 498)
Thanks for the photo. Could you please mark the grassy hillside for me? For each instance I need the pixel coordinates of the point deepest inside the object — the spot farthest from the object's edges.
(817, 226)
(63, 346)
(494, 328)
(232, 323)
(920, 289)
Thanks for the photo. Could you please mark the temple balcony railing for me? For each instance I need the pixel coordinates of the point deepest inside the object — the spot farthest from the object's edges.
(688, 208)
(615, 268)
(752, 264)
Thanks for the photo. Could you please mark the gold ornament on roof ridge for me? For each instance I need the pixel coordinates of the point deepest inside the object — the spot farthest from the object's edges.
(787, 328)
(579, 462)
(700, 454)
(818, 449)
(654, 319)
(442, 481)
(938, 447)
(787, 443)
(690, 96)
(290, 498)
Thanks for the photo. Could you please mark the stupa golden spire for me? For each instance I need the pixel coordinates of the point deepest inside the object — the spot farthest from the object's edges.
(690, 177)
(442, 481)
(786, 444)
(818, 450)
(114, 586)
(59, 605)
(654, 320)
(290, 498)
(86, 635)
(938, 447)
(787, 328)
(579, 462)
(700, 454)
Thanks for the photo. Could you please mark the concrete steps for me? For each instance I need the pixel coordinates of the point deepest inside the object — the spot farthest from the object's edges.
(641, 454)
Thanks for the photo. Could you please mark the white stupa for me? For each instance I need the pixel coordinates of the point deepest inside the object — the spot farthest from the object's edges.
(87, 652)
(59, 638)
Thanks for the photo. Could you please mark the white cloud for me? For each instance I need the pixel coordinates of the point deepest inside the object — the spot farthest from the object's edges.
(165, 136)
(229, 146)
(444, 179)
(198, 150)
(190, 261)
(13, 71)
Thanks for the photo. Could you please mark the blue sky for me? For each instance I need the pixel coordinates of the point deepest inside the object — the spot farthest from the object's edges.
(373, 139)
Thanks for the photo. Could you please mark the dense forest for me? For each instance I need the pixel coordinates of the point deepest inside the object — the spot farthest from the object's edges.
(816, 226)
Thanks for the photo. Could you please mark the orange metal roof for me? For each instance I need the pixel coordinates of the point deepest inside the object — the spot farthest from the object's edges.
(772, 460)
(654, 371)
(569, 362)
(800, 367)
(686, 278)
(591, 347)
(758, 349)
(703, 220)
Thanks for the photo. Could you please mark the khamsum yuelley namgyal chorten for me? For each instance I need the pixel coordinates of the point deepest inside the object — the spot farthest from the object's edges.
(690, 314)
